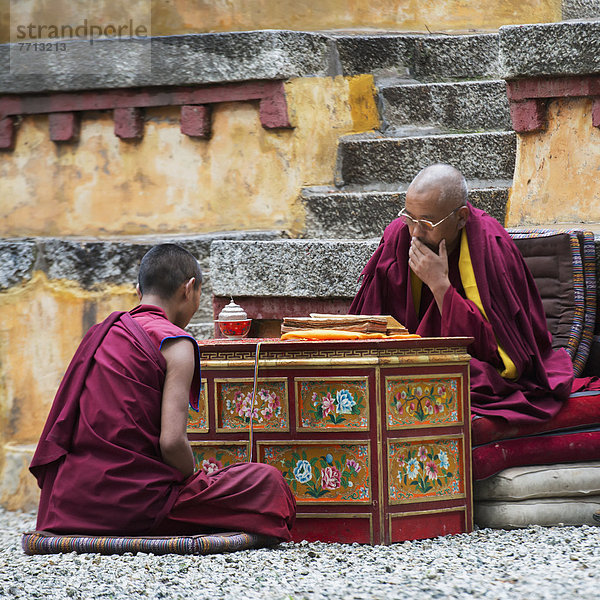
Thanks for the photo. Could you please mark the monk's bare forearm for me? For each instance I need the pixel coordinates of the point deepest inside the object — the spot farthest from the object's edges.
(174, 446)
(178, 454)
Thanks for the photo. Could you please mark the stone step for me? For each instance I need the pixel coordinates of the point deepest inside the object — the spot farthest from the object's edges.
(370, 159)
(425, 57)
(289, 268)
(335, 214)
(467, 106)
(203, 330)
(550, 50)
(580, 9)
(312, 269)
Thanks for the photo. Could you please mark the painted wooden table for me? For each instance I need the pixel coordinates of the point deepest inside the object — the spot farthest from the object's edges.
(373, 436)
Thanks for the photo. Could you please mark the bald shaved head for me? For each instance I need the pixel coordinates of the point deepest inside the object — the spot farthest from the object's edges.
(447, 180)
(438, 196)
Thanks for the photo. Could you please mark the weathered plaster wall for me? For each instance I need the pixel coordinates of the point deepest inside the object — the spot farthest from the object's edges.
(41, 324)
(170, 183)
(244, 178)
(556, 172)
(171, 17)
(553, 76)
(407, 15)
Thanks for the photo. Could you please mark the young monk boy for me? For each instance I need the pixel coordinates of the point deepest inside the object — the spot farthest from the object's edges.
(114, 458)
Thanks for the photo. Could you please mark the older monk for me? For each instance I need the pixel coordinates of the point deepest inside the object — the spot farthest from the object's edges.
(445, 268)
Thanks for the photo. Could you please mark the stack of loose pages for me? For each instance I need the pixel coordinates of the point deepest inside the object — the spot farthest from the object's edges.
(380, 324)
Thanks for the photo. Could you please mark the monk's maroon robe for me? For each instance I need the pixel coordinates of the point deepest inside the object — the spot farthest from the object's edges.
(516, 319)
(98, 461)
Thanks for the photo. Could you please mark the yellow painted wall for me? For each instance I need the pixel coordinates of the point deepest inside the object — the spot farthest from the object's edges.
(41, 324)
(406, 15)
(244, 177)
(556, 172)
(170, 17)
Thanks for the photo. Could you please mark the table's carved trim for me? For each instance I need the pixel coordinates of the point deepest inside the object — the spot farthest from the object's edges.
(421, 359)
(292, 353)
(381, 451)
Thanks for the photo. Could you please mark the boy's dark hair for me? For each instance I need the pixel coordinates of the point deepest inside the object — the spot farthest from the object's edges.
(164, 268)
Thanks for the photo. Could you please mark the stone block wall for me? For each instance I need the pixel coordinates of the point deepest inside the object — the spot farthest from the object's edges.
(165, 181)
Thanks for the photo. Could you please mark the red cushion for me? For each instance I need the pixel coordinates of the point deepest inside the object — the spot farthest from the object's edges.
(578, 411)
(547, 449)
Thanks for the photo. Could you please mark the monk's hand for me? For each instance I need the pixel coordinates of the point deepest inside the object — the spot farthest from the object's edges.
(429, 267)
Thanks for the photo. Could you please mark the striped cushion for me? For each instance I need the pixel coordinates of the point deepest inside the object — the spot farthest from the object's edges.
(575, 310)
(42, 542)
(592, 367)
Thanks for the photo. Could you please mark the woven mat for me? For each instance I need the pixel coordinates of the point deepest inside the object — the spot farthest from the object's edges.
(42, 542)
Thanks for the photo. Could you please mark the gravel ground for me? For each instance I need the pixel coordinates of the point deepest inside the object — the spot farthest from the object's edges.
(554, 563)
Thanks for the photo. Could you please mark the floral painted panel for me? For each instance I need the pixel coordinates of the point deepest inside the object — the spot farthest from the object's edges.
(198, 420)
(209, 458)
(423, 401)
(425, 469)
(234, 404)
(333, 403)
(322, 472)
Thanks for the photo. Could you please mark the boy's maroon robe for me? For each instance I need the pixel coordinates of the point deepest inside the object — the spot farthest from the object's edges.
(98, 461)
(512, 304)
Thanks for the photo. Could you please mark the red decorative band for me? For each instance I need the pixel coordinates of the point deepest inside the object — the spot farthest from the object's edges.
(127, 104)
(528, 98)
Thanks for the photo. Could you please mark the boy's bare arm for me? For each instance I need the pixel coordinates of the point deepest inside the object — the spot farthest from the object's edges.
(174, 446)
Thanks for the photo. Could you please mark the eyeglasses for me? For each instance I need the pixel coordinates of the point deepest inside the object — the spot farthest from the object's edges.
(424, 224)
